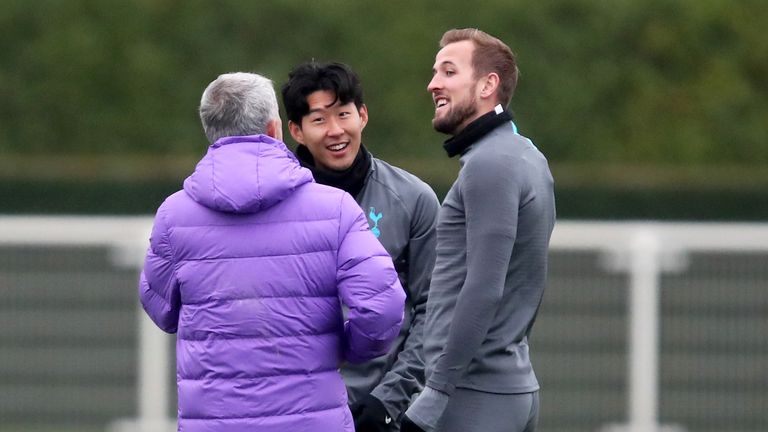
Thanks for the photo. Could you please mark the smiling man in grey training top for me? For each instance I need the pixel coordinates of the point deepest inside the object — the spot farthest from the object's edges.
(327, 115)
(492, 242)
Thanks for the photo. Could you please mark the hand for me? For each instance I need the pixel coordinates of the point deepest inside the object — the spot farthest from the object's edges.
(406, 425)
(371, 416)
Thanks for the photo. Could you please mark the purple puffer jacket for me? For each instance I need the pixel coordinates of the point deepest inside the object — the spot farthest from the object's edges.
(251, 263)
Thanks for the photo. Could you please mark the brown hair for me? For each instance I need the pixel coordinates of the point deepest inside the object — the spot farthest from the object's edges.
(490, 55)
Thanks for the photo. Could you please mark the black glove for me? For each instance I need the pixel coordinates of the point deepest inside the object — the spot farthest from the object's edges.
(371, 416)
(406, 425)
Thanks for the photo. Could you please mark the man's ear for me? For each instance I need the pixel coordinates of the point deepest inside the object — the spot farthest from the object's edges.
(363, 111)
(490, 85)
(275, 129)
(296, 132)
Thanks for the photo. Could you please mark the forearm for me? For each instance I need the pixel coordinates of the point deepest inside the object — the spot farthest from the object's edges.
(473, 315)
(406, 376)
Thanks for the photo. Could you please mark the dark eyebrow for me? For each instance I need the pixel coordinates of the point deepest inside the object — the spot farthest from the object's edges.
(326, 107)
(336, 103)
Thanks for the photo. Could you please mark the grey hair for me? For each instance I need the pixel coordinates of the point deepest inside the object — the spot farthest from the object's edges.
(238, 104)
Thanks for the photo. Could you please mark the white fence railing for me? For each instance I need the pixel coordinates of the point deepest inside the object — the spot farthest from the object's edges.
(127, 239)
(643, 249)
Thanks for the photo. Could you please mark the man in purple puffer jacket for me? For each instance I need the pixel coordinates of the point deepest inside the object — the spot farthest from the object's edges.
(251, 264)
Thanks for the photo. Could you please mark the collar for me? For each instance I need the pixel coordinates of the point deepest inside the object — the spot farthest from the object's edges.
(350, 180)
(479, 128)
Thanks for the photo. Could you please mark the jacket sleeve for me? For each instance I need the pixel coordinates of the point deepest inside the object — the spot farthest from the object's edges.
(158, 286)
(369, 287)
(406, 376)
(491, 191)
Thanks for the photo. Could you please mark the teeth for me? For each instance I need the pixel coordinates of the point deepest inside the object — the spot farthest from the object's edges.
(337, 147)
(442, 103)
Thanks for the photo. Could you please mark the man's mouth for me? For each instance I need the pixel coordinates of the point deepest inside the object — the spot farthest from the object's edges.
(337, 147)
(440, 102)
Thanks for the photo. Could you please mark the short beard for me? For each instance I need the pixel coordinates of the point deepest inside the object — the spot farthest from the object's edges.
(455, 117)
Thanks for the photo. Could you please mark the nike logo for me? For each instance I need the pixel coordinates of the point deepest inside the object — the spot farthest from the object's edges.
(387, 419)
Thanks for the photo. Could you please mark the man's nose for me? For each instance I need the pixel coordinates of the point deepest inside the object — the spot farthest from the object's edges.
(334, 128)
(434, 84)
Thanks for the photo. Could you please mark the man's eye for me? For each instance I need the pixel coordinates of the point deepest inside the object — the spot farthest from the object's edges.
(317, 120)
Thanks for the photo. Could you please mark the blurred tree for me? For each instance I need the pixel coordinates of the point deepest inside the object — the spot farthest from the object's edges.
(670, 83)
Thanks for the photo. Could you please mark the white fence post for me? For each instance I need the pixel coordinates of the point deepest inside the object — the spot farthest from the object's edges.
(153, 388)
(643, 331)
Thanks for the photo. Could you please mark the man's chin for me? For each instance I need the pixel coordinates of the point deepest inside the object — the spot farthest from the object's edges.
(442, 126)
(339, 167)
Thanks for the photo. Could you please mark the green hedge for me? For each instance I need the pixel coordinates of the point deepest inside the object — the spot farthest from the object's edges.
(652, 81)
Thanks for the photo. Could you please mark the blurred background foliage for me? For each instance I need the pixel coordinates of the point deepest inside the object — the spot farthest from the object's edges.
(645, 108)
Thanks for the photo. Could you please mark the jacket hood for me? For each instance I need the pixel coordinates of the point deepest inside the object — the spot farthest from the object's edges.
(245, 174)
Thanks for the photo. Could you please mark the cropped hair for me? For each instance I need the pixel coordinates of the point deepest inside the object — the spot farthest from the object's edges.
(490, 55)
(310, 77)
(238, 104)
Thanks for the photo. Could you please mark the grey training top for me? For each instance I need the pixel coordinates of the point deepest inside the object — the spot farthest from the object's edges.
(402, 213)
(492, 243)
